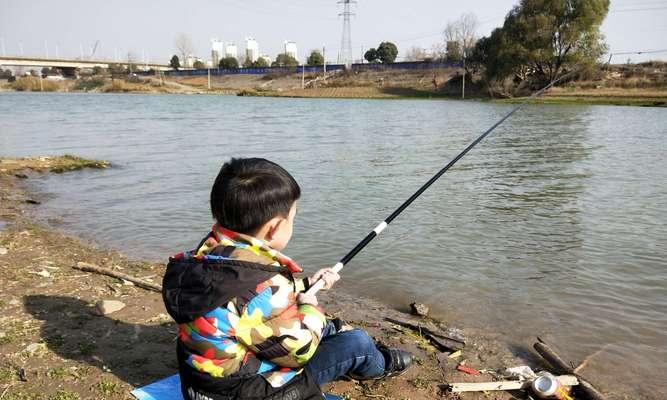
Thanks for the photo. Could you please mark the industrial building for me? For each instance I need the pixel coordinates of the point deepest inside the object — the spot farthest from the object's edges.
(251, 49)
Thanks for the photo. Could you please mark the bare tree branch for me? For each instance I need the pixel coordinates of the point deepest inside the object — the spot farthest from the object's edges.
(184, 46)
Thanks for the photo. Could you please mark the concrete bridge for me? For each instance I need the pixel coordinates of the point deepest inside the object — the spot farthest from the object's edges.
(69, 64)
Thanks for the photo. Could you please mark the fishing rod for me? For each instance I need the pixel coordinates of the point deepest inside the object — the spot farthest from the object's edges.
(317, 286)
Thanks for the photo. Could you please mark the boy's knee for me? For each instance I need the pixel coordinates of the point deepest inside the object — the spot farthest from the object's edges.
(360, 339)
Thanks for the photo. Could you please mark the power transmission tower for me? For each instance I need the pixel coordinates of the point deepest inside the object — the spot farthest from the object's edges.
(345, 55)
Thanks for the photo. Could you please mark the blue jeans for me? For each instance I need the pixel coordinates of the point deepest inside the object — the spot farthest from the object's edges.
(341, 353)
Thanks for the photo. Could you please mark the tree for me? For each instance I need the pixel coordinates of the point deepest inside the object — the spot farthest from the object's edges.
(417, 54)
(198, 65)
(387, 52)
(544, 38)
(463, 31)
(116, 70)
(131, 61)
(261, 63)
(453, 51)
(184, 45)
(315, 58)
(284, 60)
(175, 63)
(371, 55)
(229, 63)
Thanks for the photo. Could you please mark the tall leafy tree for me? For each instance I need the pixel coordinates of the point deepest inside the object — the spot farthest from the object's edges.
(371, 55)
(315, 58)
(387, 52)
(285, 60)
(229, 63)
(175, 63)
(544, 38)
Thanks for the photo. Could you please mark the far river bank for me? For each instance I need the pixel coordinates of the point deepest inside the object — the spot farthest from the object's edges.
(647, 88)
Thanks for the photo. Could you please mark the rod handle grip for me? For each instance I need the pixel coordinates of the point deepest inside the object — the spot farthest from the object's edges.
(317, 286)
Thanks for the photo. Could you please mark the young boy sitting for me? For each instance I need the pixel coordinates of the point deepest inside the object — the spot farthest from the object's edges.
(247, 329)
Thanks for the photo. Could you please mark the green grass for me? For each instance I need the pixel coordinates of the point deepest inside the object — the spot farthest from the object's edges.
(611, 101)
(108, 387)
(70, 162)
(57, 373)
(22, 396)
(7, 374)
(65, 395)
(12, 332)
(89, 84)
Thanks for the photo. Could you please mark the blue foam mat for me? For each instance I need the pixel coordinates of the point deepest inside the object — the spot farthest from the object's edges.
(166, 389)
(170, 389)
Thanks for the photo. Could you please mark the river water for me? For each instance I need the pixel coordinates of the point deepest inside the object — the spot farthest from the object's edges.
(555, 225)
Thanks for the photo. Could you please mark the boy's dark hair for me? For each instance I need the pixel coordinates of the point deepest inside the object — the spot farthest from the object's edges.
(248, 192)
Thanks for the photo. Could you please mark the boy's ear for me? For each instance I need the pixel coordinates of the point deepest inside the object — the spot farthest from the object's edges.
(274, 225)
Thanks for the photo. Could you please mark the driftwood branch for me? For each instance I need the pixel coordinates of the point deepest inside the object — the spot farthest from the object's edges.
(115, 274)
(561, 367)
(438, 340)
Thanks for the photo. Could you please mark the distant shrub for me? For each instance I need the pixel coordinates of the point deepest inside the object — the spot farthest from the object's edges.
(32, 84)
(89, 83)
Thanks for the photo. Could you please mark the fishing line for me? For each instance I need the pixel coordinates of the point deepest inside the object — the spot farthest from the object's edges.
(382, 225)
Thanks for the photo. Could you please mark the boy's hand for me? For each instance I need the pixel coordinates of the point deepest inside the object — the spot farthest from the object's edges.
(328, 275)
(304, 298)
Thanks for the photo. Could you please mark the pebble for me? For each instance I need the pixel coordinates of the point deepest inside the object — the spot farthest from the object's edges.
(3, 251)
(14, 302)
(105, 307)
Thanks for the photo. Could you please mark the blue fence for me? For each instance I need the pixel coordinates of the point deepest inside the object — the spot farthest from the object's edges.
(413, 65)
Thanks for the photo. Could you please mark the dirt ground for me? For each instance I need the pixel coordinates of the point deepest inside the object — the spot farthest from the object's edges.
(55, 346)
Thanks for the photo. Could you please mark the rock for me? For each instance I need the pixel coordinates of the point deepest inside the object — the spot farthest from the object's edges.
(14, 302)
(127, 283)
(34, 349)
(3, 251)
(419, 309)
(105, 307)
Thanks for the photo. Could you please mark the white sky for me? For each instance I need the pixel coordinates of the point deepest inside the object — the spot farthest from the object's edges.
(148, 28)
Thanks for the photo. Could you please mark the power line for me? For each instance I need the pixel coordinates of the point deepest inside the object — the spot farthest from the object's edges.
(638, 9)
(638, 52)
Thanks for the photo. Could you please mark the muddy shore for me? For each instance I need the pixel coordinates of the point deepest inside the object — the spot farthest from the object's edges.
(54, 344)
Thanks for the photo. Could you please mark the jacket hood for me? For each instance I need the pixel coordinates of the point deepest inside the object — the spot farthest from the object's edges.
(193, 286)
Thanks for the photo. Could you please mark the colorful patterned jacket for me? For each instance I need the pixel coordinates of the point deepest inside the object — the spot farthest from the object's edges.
(234, 299)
